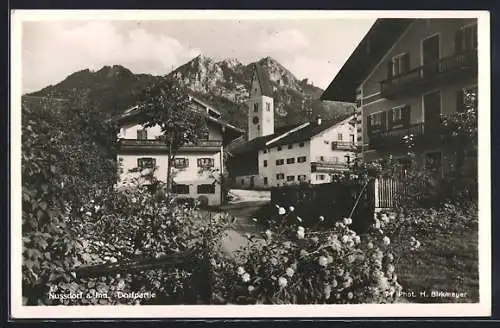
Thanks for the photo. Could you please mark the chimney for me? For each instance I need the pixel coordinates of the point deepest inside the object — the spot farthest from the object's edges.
(318, 119)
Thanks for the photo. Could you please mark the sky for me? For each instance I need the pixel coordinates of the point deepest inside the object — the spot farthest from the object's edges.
(310, 48)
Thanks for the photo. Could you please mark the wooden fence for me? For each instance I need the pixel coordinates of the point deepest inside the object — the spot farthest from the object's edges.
(199, 266)
(389, 192)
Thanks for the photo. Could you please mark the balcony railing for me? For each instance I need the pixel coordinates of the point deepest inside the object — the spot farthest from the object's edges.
(154, 144)
(393, 138)
(444, 67)
(343, 145)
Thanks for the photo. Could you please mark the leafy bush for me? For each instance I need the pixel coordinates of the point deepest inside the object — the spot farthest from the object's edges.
(295, 265)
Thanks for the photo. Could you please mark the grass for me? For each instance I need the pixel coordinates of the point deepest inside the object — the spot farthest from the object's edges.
(446, 262)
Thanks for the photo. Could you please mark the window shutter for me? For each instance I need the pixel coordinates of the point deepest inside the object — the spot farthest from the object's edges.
(406, 62)
(460, 101)
(406, 116)
(389, 69)
(391, 119)
(458, 41)
(384, 121)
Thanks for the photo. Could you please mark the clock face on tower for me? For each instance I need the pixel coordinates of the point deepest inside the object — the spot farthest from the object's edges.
(255, 120)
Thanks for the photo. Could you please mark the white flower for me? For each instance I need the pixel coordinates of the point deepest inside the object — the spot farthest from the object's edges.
(350, 295)
(92, 201)
(377, 224)
(390, 268)
(384, 217)
(345, 239)
(289, 272)
(254, 219)
(281, 211)
(323, 261)
(134, 200)
(245, 277)
(329, 259)
(327, 291)
(88, 213)
(322, 218)
(369, 245)
(299, 219)
(386, 241)
(300, 228)
(274, 261)
(390, 257)
(269, 233)
(282, 282)
(81, 209)
(241, 271)
(113, 260)
(346, 221)
(97, 208)
(251, 288)
(357, 239)
(300, 234)
(291, 208)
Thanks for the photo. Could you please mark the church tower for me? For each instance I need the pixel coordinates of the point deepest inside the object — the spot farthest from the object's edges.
(260, 106)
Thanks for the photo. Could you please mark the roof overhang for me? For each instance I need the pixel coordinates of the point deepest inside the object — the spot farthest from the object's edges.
(375, 44)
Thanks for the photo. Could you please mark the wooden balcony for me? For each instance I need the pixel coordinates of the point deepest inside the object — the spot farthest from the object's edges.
(328, 167)
(422, 133)
(153, 145)
(417, 80)
(343, 145)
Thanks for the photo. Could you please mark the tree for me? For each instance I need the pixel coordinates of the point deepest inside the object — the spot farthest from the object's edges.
(166, 104)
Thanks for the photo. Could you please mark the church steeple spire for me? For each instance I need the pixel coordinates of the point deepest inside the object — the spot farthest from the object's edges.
(260, 105)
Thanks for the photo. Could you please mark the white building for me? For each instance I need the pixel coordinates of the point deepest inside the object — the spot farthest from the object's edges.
(196, 167)
(300, 153)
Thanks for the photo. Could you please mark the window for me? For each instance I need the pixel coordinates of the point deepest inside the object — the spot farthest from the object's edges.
(301, 159)
(146, 163)
(376, 119)
(268, 107)
(265, 163)
(280, 161)
(466, 39)
(301, 177)
(347, 159)
(206, 162)
(265, 151)
(142, 134)
(320, 177)
(180, 188)
(399, 65)
(290, 160)
(206, 189)
(301, 144)
(397, 114)
(321, 158)
(266, 181)
(290, 178)
(181, 163)
(279, 148)
(255, 107)
(204, 134)
(242, 182)
(258, 127)
(339, 137)
(280, 176)
(351, 137)
(290, 146)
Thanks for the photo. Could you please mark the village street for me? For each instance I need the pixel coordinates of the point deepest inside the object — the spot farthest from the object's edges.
(243, 204)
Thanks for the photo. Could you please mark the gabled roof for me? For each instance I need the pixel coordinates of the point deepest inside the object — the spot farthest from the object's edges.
(134, 111)
(309, 131)
(263, 78)
(369, 52)
(243, 146)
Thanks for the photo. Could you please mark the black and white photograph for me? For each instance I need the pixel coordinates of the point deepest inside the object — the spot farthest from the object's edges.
(190, 164)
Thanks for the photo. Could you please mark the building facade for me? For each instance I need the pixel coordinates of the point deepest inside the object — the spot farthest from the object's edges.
(417, 70)
(196, 168)
(300, 153)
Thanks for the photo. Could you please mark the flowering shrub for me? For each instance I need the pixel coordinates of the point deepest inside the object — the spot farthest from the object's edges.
(296, 265)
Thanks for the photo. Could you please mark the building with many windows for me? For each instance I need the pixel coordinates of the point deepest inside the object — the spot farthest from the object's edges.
(301, 153)
(196, 167)
(404, 75)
